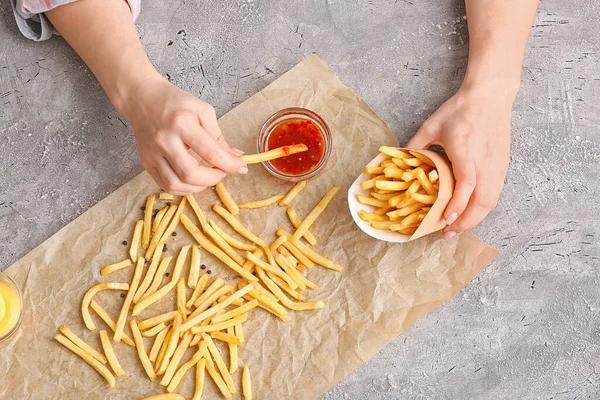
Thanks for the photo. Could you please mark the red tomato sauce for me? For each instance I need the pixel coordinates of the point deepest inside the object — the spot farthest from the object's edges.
(297, 131)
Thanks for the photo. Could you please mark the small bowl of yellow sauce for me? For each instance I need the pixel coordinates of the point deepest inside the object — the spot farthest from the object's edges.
(11, 307)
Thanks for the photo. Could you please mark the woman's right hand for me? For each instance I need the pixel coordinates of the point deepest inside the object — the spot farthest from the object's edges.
(167, 122)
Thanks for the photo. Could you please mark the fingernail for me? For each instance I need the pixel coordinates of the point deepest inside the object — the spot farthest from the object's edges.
(242, 170)
(449, 235)
(237, 152)
(451, 218)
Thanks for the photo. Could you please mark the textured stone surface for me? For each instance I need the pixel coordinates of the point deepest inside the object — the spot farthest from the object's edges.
(526, 328)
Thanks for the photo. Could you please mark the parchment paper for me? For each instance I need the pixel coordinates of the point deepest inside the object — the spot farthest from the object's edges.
(384, 289)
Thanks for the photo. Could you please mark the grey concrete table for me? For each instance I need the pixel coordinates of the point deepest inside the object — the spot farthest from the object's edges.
(526, 328)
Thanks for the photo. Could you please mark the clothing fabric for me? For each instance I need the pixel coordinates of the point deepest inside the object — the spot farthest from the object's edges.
(33, 24)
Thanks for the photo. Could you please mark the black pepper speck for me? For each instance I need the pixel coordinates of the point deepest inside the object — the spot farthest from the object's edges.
(124, 242)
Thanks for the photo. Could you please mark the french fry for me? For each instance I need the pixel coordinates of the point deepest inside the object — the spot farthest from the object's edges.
(277, 243)
(233, 242)
(147, 221)
(115, 267)
(399, 162)
(413, 162)
(200, 376)
(139, 345)
(425, 184)
(370, 201)
(314, 214)
(194, 268)
(296, 221)
(178, 376)
(135, 281)
(371, 183)
(109, 321)
(154, 330)
(147, 301)
(163, 350)
(423, 158)
(158, 276)
(248, 265)
(236, 312)
(292, 193)
(383, 225)
(279, 152)
(383, 210)
(226, 198)
(171, 344)
(110, 354)
(214, 309)
(220, 326)
(262, 203)
(166, 196)
(377, 170)
(273, 269)
(266, 303)
(176, 358)
(311, 254)
(80, 343)
(174, 221)
(433, 176)
(286, 288)
(158, 218)
(393, 172)
(210, 232)
(214, 250)
(158, 342)
(410, 219)
(181, 300)
(165, 396)
(258, 287)
(292, 305)
(392, 185)
(216, 355)
(233, 351)
(239, 332)
(85, 304)
(237, 225)
(225, 337)
(157, 320)
(298, 254)
(135, 240)
(102, 370)
(210, 367)
(150, 274)
(210, 291)
(246, 383)
(394, 152)
(408, 175)
(366, 216)
(423, 198)
(200, 286)
(162, 227)
(205, 304)
(300, 279)
(384, 196)
(238, 302)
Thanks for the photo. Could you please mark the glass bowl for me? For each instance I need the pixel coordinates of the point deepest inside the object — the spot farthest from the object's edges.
(294, 113)
(12, 285)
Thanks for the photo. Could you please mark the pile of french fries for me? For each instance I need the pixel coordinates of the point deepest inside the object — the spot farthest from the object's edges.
(209, 314)
(401, 188)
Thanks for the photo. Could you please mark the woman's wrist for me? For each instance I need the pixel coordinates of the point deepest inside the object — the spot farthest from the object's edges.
(128, 85)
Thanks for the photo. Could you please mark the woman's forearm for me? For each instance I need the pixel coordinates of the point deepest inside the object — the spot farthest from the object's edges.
(102, 32)
(498, 32)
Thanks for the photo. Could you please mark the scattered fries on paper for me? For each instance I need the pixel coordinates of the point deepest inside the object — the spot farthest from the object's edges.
(208, 315)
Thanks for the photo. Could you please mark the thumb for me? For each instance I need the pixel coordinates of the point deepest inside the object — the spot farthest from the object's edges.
(422, 139)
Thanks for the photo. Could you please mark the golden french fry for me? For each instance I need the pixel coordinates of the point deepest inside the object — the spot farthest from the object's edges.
(146, 230)
(383, 210)
(422, 157)
(382, 225)
(197, 210)
(393, 172)
(296, 221)
(410, 219)
(298, 254)
(80, 343)
(151, 322)
(226, 198)
(266, 303)
(239, 332)
(262, 203)
(392, 185)
(433, 176)
(166, 196)
(216, 355)
(154, 330)
(384, 196)
(194, 268)
(314, 214)
(387, 163)
(211, 248)
(292, 305)
(300, 279)
(210, 367)
(425, 184)
(373, 170)
(181, 300)
(277, 243)
(171, 344)
(85, 304)
(413, 162)
(225, 337)
(273, 269)
(163, 350)
(292, 193)
(165, 396)
(115, 267)
(201, 352)
(366, 216)
(162, 227)
(202, 298)
(246, 383)
(135, 240)
(248, 265)
(158, 342)
(102, 370)
(402, 212)
(423, 198)
(200, 376)
(258, 287)
(176, 358)
(399, 163)
(279, 152)
(109, 321)
(408, 175)
(143, 356)
(110, 354)
(174, 221)
(220, 326)
(159, 275)
(233, 351)
(204, 303)
(236, 312)
(147, 301)
(150, 274)
(286, 288)
(200, 286)
(135, 282)
(414, 186)
(238, 302)
(370, 201)
(403, 229)
(158, 218)
(371, 183)
(237, 225)
(233, 242)
(394, 152)
(211, 233)
(311, 254)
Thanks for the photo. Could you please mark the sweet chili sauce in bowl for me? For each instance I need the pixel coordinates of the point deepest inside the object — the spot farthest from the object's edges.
(296, 126)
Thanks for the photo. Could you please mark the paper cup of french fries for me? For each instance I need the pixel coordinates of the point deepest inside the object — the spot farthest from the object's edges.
(402, 194)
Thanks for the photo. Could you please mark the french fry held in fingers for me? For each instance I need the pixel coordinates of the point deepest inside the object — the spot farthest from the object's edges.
(279, 152)
(262, 203)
